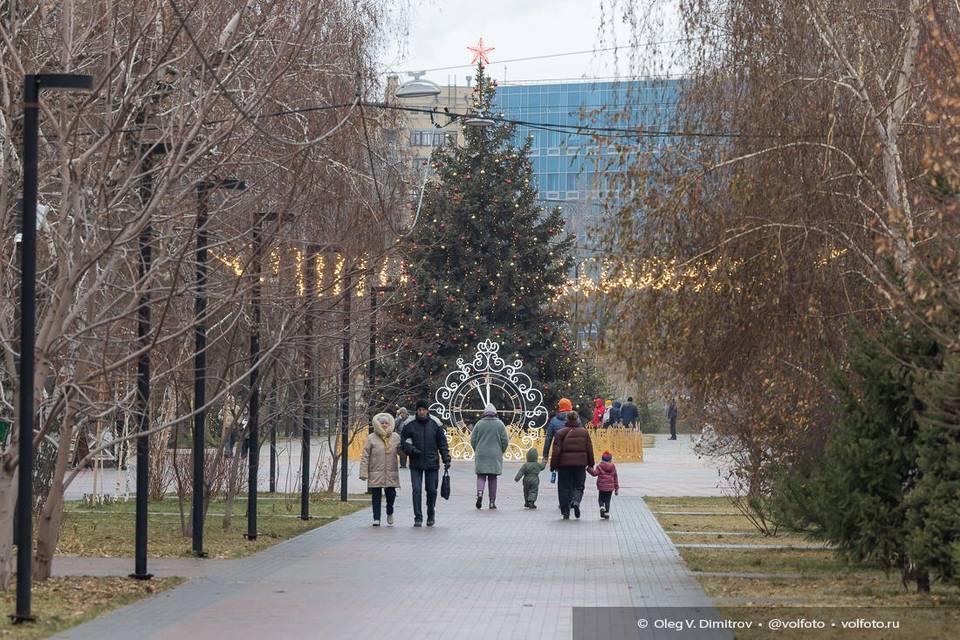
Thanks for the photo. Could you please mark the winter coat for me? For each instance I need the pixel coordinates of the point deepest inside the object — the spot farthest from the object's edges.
(531, 468)
(572, 448)
(378, 463)
(672, 412)
(489, 440)
(556, 423)
(424, 440)
(606, 473)
(598, 411)
(629, 414)
(615, 413)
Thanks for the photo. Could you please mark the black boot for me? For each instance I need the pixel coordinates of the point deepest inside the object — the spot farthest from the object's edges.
(479, 502)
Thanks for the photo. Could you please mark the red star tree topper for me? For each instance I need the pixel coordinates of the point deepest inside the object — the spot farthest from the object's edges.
(480, 52)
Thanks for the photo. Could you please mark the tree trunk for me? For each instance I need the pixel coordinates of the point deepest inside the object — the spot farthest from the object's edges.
(923, 582)
(48, 525)
(8, 501)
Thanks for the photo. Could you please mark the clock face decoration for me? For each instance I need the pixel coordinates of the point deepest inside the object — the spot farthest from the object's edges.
(488, 378)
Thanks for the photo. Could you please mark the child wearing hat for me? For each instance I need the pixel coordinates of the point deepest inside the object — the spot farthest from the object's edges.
(607, 482)
(530, 474)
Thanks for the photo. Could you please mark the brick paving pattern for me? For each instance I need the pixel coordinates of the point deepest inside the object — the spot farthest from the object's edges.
(509, 573)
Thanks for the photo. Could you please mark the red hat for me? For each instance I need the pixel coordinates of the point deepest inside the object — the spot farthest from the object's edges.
(607, 456)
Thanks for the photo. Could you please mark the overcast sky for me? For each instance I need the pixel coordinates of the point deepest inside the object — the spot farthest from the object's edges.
(441, 31)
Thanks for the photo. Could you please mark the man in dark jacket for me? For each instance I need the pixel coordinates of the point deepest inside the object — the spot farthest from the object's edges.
(572, 454)
(425, 443)
(556, 423)
(629, 414)
(672, 417)
(614, 418)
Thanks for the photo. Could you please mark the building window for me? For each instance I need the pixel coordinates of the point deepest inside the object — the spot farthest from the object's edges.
(573, 195)
(414, 138)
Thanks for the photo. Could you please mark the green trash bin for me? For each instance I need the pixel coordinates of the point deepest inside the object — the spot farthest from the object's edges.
(4, 430)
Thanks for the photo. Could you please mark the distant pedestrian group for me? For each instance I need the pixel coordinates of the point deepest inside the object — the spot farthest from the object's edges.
(419, 443)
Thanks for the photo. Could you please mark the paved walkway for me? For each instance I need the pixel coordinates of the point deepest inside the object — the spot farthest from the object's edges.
(671, 468)
(509, 573)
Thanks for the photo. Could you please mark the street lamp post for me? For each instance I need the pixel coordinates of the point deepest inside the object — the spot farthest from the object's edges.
(142, 411)
(273, 435)
(32, 84)
(253, 422)
(310, 290)
(200, 356)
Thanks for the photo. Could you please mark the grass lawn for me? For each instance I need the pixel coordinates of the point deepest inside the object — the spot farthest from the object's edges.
(108, 530)
(824, 581)
(60, 603)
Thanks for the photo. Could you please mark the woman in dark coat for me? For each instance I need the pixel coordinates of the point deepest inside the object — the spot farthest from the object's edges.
(572, 454)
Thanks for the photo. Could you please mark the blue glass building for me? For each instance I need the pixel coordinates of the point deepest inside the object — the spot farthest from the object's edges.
(570, 168)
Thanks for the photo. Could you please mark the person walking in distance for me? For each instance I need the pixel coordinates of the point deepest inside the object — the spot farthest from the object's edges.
(378, 465)
(598, 412)
(489, 440)
(629, 414)
(607, 482)
(615, 413)
(425, 443)
(572, 454)
(557, 422)
(672, 417)
(402, 417)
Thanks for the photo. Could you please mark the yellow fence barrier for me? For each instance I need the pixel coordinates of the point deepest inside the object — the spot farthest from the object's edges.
(626, 445)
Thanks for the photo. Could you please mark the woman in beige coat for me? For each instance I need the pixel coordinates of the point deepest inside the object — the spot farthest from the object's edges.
(379, 465)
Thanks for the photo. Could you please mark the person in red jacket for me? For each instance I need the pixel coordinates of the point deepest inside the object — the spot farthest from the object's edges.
(598, 411)
(607, 482)
(572, 454)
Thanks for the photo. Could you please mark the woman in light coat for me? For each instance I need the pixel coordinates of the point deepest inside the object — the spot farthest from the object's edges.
(489, 440)
(379, 465)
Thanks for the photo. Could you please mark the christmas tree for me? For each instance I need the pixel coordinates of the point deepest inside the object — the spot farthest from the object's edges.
(486, 261)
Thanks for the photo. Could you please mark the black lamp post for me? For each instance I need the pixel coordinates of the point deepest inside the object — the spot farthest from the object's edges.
(345, 385)
(142, 411)
(310, 291)
(200, 356)
(32, 84)
(253, 422)
(273, 435)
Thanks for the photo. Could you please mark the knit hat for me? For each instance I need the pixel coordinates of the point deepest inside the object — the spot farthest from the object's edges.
(607, 456)
(489, 410)
(421, 404)
(564, 405)
(403, 410)
(573, 420)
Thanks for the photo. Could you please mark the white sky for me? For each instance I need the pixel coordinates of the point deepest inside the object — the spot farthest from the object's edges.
(440, 32)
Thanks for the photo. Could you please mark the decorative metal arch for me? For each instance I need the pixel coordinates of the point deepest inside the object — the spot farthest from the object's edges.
(474, 383)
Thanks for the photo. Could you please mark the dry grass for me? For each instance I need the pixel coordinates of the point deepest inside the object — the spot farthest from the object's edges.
(108, 531)
(60, 603)
(825, 580)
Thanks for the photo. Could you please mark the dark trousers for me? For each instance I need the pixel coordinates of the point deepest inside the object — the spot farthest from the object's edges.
(421, 479)
(391, 493)
(605, 497)
(673, 428)
(403, 457)
(570, 482)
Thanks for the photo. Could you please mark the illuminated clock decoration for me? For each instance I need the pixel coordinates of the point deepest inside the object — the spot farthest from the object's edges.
(489, 378)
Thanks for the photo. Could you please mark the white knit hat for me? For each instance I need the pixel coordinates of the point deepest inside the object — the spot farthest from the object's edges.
(489, 410)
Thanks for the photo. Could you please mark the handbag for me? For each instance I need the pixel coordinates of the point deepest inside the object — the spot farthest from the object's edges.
(445, 485)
